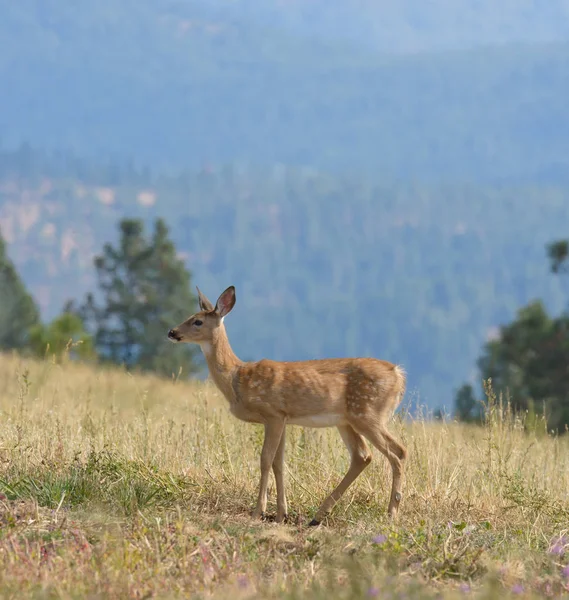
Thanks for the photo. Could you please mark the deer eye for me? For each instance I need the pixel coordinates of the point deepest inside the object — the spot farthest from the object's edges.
(197, 323)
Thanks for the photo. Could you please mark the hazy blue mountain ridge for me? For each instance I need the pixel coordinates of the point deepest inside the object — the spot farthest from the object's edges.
(179, 86)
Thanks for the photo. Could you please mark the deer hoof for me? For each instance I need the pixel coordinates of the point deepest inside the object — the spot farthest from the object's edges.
(313, 523)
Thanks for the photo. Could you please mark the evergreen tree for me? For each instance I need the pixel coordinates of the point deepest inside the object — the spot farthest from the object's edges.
(18, 311)
(465, 405)
(144, 289)
(529, 359)
(558, 253)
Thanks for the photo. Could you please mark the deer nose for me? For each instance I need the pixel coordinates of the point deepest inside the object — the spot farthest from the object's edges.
(172, 334)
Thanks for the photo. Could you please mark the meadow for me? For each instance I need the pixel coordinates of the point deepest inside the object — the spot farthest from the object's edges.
(126, 485)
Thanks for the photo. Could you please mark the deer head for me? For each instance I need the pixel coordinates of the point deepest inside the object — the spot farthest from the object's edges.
(201, 326)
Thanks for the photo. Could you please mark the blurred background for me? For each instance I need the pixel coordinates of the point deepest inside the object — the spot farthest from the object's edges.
(376, 178)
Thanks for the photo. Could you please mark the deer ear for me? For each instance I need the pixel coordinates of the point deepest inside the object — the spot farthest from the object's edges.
(225, 302)
(205, 304)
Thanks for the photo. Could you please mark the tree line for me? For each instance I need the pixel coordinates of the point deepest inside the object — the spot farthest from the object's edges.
(143, 289)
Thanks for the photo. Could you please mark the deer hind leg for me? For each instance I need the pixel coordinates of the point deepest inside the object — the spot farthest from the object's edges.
(360, 459)
(278, 470)
(396, 454)
(273, 434)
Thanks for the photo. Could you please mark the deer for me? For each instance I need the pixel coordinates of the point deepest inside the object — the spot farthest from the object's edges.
(358, 396)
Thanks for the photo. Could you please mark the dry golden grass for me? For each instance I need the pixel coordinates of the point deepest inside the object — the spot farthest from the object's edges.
(118, 485)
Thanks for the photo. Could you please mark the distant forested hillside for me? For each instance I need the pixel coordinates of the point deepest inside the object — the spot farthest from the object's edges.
(324, 266)
(180, 84)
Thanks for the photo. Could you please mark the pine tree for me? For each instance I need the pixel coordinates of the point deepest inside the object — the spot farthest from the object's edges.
(528, 361)
(18, 311)
(466, 407)
(144, 289)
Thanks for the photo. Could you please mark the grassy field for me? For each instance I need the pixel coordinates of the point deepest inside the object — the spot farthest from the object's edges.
(118, 485)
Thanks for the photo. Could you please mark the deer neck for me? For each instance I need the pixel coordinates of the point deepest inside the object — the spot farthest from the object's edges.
(222, 362)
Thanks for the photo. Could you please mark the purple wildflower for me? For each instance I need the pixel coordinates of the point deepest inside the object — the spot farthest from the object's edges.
(565, 572)
(518, 589)
(379, 539)
(464, 588)
(242, 581)
(373, 592)
(557, 546)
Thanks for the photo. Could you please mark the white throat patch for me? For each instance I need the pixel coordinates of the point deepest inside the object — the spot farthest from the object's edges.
(206, 348)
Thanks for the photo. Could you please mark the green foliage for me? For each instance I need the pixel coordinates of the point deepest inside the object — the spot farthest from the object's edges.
(18, 311)
(64, 336)
(558, 253)
(145, 291)
(528, 360)
(467, 408)
(132, 485)
(511, 360)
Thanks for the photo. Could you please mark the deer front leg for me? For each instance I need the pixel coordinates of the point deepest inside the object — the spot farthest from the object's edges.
(278, 470)
(273, 433)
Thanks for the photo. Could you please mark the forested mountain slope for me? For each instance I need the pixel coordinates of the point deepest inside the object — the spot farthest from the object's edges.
(183, 83)
(323, 266)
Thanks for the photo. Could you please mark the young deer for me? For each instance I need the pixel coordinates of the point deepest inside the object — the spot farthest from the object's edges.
(356, 395)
